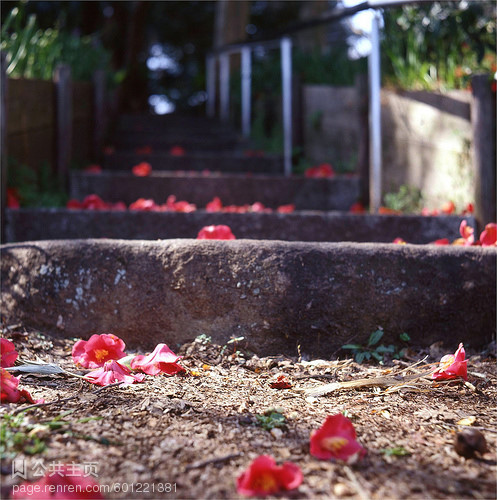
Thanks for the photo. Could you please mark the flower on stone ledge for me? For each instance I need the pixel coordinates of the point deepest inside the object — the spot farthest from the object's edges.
(98, 349)
(8, 353)
(143, 169)
(488, 237)
(264, 477)
(336, 440)
(113, 372)
(177, 151)
(452, 366)
(220, 232)
(65, 482)
(161, 360)
(321, 171)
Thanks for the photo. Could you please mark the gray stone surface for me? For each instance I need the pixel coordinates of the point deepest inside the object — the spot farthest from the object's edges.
(52, 223)
(277, 295)
(339, 193)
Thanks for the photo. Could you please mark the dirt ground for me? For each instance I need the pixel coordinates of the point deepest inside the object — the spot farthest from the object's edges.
(191, 436)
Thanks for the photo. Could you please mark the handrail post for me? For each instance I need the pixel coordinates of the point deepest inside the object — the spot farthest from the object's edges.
(286, 80)
(62, 79)
(224, 86)
(375, 166)
(211, 85)
(246, 90)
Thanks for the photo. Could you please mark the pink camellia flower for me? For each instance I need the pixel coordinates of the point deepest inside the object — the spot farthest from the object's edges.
(161, 360)
(286, 209)
(220, 232)
(264, 477)
(215, 205)
(8, 353)
(141, 204)
(452, 366)
(488, 237)
(399, 241)
(177, 151)
(65, 482)
(113, 372)
(9, 391)
(336, 439)
(143, 169)
(98, 349)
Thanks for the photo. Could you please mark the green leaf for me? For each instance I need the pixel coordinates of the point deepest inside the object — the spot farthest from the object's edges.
(359, 357)
(398, 451)
(375, 337)
(377, 356)
(352, 346)
(382, 348)
(404, 337)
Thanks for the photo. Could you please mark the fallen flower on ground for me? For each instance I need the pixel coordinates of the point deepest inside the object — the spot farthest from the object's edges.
(113, 372)
(441, 241)
(286, 209)
(220, 232)
(448, 208)
(8, 353)
(388, 211)
(336, 439)
(98, 349)
(452, 366)
(9, 391)
(93, 169)
(161, 360)
(94, 202)
(281, 383)
(264, 477)
(357, 208)
(67, 482)
(13, 198)
(177, 151)
(488, 237)
(323, 170)
(399, 241)
(143, 169)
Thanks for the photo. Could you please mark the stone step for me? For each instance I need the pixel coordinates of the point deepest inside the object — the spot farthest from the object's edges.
(282, 298)
(338, 193)
(59, 223)
(196, 161)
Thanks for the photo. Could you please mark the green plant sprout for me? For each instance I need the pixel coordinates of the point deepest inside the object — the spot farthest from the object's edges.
(407, 199)
(271, 419)
(373, 351)
(396, 451)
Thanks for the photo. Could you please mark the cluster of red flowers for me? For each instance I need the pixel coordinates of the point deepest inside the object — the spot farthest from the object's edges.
(106, 354)
(8, 383)
(94, 202)
(321, 171)
(488, 237)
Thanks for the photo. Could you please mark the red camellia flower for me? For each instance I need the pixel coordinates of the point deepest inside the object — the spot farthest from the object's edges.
(336, 439)
(323, 170)
(143, 169)
(399, 241)
(215, 205)
(264, 477)
(98, 349)
(357, 208)
(9, 391)
(13, 198)
(467, 233)
(8, 353)
(66, 482)
(177, 151)
(448, 208)
(286, 209)
(145, 150)
(113, 372)
(488, 237)
(452, 366)
(441, 241)
(281, 383)
(220, 232)
(161, 360)
(93, 169)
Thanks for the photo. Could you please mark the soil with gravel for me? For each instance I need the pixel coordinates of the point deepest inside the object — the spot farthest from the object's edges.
(191, 436)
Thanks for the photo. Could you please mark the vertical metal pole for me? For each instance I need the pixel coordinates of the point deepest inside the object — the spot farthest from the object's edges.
(375, 117)
(211, 86)
(286, 80)
(99, 124)
(224, 86)
(246, 90)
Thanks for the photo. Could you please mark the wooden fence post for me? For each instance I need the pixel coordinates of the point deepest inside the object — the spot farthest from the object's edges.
(361, 87)
(63, 128)
(99, 120)
(3, 145)
(483, 123)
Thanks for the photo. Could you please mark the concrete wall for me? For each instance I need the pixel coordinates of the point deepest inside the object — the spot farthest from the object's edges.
(426, 138)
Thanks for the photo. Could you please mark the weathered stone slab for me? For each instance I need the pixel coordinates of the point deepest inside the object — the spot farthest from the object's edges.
(277, 295)
(58, 223)
(196, 161)
(338, 193)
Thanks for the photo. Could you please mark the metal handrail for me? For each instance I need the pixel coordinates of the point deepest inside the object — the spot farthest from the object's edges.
(284, 42)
